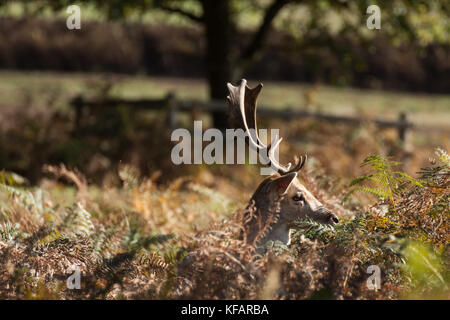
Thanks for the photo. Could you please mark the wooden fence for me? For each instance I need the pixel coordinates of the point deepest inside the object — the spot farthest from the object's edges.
(172, 106)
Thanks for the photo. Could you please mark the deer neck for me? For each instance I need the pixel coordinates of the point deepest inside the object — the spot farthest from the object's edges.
(279, 232)
(276, 229)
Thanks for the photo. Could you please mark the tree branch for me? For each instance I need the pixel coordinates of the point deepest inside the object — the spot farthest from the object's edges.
(187, 14)
(261, 35)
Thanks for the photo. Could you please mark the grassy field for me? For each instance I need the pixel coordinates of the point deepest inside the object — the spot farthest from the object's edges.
(58, 88)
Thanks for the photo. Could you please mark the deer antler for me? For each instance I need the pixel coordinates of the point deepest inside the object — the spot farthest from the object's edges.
(242, 102)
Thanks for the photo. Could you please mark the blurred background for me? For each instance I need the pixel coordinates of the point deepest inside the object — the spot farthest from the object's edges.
(113, 90)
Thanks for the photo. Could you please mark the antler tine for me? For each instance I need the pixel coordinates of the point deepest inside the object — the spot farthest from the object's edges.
(271, 154)
(244, 98)
(299, 163)
(242, 101)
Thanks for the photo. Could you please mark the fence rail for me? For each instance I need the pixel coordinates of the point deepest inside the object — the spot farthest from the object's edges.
(172, 106)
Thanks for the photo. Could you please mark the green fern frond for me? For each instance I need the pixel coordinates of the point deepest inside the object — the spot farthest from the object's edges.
(386, 183)
(444, 156)
(134, 240)
(315, 230)
(102, 241)
(30, 199)
(11, 232)
(379, 192)
(78, 220)
(360, 179)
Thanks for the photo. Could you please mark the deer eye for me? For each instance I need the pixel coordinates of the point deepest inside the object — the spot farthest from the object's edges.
(298, 198)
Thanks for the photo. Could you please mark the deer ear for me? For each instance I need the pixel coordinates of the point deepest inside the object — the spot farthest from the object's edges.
(282, 183)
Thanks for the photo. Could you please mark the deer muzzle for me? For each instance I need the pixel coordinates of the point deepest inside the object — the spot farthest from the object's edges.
(332, 218)
(327, 216)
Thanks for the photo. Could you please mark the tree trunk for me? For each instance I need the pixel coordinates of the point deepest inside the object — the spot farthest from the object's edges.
(218, 28)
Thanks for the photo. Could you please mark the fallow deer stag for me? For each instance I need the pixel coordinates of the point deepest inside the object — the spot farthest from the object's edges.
(280, 198)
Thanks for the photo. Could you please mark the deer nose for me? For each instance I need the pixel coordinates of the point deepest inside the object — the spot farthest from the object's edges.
(332, 218)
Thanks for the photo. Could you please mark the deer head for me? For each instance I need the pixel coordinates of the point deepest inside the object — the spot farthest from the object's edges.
(280, 198)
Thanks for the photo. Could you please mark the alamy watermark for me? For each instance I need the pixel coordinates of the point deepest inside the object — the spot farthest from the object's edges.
(74, 19)
(374, 20)
(374, 281)
(74, 280)
(189, 150)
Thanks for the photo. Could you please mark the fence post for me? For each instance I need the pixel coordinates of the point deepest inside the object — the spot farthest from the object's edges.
(78, 103)
(403, 126)
(172, 110)
(404, 136)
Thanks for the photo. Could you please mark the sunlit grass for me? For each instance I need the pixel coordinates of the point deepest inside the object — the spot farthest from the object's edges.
(59, 88)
